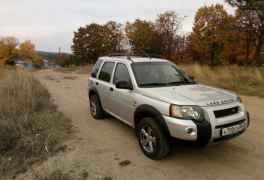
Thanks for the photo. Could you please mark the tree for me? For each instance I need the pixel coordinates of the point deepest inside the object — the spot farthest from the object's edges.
(143, 37)
(210, 32)
(244, 24)
(167, 26)
(256, 10)
(115, 35)
(28, 53)
(7, 49)
(93, 41)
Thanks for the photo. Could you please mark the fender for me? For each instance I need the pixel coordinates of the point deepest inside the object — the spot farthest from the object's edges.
(149, 111)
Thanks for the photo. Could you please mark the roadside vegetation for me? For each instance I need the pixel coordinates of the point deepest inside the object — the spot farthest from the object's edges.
(241, 79)
(31, 128)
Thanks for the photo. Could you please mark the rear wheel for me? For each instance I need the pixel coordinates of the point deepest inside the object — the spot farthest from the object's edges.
(152, 139)
(96, 109)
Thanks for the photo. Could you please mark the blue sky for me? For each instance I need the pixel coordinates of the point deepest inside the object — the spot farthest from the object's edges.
(50, 23)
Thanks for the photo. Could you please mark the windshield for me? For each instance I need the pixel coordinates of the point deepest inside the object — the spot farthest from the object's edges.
(153, 74)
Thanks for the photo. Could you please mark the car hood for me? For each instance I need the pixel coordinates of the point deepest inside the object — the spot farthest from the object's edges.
(197, 94)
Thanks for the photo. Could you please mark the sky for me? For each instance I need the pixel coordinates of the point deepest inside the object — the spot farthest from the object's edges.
(50, 23)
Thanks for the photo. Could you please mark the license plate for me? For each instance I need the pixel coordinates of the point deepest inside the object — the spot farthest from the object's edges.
(233, 129)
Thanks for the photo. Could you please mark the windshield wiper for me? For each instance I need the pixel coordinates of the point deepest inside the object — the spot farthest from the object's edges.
(153, 84)
(180, 83)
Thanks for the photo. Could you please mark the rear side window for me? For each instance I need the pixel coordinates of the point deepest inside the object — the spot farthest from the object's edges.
(96, 68)
(106, 71)
(121, 74)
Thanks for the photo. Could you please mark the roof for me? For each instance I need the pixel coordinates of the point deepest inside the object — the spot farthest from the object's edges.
(133, 59)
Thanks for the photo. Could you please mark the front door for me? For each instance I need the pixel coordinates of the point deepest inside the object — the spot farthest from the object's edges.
(123, 100)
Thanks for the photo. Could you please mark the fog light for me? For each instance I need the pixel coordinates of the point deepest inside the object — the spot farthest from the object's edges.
(189, 130)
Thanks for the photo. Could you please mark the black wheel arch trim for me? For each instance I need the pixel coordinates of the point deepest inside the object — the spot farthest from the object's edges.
(150, 111)
(204, 132)
(94, 91)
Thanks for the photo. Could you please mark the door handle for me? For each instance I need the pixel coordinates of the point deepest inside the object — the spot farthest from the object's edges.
(111, 89)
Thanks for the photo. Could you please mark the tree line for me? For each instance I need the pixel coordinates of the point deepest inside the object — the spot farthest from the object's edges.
(217, 37)
(11, 50)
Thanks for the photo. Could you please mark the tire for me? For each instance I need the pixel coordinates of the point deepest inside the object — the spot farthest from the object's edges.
(160, 146)
(96, 109)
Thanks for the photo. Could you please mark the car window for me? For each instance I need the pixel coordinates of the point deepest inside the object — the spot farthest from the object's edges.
(106, 71)
(96, 68)
(159, 74)
(121, 73)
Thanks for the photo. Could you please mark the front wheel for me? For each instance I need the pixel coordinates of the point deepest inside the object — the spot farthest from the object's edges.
(152, 139)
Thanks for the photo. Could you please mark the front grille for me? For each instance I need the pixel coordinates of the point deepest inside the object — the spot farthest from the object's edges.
(226, 112)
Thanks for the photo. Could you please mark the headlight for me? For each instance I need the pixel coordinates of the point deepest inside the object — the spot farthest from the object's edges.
(187, 112)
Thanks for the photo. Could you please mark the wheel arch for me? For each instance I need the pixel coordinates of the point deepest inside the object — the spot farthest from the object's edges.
(144, 111)
(92, 92)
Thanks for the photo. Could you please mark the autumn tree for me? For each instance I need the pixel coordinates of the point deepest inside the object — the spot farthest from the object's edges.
(95, 40)
(255, 9)
(28, 53)
(143, 37)
(244, 23)
(115, 35)
(7, 49)
(210, 31)
(167, 26)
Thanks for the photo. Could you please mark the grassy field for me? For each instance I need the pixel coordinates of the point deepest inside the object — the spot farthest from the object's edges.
(243, 80)
(31, 128)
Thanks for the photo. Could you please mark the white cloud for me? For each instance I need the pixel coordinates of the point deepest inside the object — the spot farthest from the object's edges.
(50, 23)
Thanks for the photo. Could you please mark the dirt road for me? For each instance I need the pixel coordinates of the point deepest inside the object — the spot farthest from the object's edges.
(101, 145)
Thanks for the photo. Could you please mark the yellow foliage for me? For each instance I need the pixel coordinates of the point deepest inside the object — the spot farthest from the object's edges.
(7, 48)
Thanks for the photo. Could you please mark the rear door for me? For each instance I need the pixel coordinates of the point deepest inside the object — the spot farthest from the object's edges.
(104, 84)
(94, 73)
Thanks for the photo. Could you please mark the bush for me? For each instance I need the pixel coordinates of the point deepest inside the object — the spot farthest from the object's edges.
(31, 129)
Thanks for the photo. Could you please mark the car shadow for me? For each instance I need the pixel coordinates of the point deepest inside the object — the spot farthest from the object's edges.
(190, 152)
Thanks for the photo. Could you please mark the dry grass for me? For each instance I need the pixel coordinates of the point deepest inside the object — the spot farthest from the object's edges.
(243, 80)
(2, 72)
(31, 129)
(56, 175)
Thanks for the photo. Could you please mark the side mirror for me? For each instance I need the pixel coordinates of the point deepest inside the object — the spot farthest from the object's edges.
(124, 85)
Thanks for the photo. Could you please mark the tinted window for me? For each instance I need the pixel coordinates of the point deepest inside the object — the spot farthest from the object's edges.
(96, 68)
(121, 74)
(106, 71)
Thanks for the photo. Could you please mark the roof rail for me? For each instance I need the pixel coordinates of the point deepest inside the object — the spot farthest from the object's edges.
(127, 55)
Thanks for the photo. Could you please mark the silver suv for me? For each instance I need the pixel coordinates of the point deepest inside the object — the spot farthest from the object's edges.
(161, 102)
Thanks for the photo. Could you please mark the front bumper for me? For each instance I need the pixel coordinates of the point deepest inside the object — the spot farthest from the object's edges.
(208, 130)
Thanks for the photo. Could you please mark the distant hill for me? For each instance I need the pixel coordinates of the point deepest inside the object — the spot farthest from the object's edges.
(50, 55)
